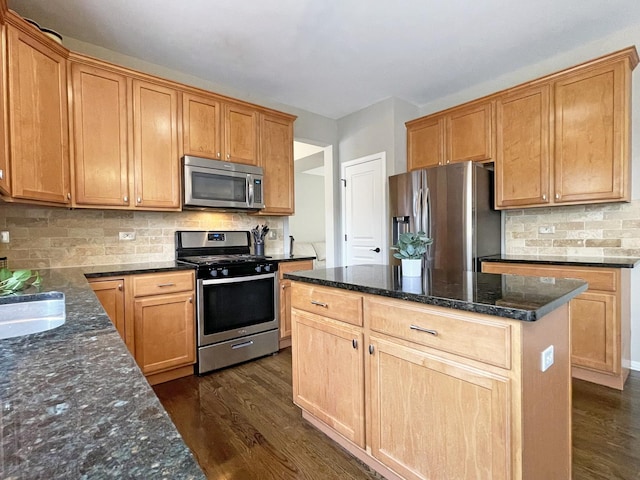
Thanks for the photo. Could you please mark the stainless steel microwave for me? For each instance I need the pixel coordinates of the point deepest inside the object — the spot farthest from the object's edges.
(215, 184)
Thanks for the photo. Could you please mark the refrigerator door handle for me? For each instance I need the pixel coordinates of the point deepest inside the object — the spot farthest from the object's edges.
(426, 212)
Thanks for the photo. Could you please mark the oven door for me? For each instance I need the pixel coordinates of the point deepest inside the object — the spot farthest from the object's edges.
(234, 307)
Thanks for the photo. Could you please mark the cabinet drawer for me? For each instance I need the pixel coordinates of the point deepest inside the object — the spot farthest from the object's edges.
(158, 283)
(604, 279)
(328, 302)
(474, 338)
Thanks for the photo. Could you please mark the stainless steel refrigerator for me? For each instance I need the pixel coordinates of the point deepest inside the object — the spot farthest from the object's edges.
(453, 204)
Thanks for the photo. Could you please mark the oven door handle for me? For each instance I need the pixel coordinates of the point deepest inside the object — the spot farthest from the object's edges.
(248, 278)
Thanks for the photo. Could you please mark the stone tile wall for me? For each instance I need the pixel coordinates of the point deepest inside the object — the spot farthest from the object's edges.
(55, 237)
(610, 230)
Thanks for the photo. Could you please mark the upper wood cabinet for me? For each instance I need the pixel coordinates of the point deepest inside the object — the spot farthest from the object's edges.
(38, 123)
(276, 159)
(202, 126)
(240, 134)
(522, 138)
(155, 146)
(457, 135)
(101, 103)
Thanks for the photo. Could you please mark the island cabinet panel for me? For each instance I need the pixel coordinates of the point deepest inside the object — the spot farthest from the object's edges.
(591, 134)
(38, 119)
(276, 159)
(436, 419)
(155, 141)
(600, 318)
(523, 138)
(101, 156)
(328, 378)
(202, 126)
(285, 297)
(110, 292)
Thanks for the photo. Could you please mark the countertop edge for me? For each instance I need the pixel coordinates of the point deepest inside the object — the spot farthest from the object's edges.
(605, 262)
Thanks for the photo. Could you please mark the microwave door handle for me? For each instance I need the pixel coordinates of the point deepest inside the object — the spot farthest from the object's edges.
(250, 190)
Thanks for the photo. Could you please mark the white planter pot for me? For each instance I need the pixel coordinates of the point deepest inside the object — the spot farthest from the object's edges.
(411, 267)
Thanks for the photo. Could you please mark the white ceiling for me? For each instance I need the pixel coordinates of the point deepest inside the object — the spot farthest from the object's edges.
(333, 57)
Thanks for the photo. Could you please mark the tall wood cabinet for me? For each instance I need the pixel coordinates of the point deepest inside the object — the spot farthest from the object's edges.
(276, 158)
(456, 135)
(37, 112)
(155, 315)
(600, 318)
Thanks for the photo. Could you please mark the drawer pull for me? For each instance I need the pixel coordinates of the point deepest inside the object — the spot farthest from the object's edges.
(170, 284)
(370, 349)
(242, 345)
(425, 330)
(354, 343)
(319, 304)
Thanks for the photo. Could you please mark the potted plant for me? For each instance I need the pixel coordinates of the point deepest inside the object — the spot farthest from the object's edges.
(410, 249)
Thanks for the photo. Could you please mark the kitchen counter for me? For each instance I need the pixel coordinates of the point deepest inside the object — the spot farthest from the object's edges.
(602, 262)
(506, 296)
(74, 402)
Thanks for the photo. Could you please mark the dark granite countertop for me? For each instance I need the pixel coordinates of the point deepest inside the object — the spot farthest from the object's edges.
(132, 268)
(508, 296)
(602, 262)
(75, 404)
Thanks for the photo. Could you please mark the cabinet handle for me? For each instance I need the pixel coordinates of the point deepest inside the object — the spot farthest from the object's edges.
(320, 304)
(190, 299)
(218, 154)
(68, 195)
(1, 174)
(125, 199)
(557, 196)
(166, 285)
(120, 287)
(370, 349)
(544, 196)
(354, 343)
(228, 156)
(139, 200)
(425, 330)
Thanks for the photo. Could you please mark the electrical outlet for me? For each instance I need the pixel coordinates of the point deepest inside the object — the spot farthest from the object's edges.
(4, 237)
(127, 236)
(272, 235)
(547, 229)
(546, 358)
(549, 280)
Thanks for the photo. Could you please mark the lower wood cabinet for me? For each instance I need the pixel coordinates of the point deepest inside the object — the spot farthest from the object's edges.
(155, 315)
(600, 318)
(402, 387)
(285, 297)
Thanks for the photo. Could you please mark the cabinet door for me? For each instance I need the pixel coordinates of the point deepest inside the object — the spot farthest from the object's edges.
(591, 118)
(201, 126)
(425, 143)
(240, 134)
(328, 373)
(155, 140)
(276, 158)
(522, 148)
(38, 123)
(285, 293)
(469, 134)
(111, 296)
(594, 332)
(436, 419)
(5, 184)
(164, 332)
(100, 136)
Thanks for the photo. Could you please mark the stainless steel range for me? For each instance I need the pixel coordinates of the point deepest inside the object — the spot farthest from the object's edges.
(237, 314)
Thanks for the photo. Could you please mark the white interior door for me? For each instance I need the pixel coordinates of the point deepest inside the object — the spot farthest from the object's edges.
(364, 215)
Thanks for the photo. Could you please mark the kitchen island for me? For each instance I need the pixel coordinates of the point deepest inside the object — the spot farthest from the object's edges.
(74, 402)
(452, 375)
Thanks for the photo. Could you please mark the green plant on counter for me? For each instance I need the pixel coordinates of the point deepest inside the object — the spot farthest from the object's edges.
(17, 280)
(411, 245)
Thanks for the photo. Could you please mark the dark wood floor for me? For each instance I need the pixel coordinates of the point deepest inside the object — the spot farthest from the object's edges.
(242, 425)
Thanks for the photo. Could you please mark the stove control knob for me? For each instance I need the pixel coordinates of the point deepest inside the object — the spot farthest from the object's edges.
(267, 268)
(225, 272)
(213, 272)
(258, 268)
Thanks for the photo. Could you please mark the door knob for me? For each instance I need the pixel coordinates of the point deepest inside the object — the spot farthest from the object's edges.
(377, 249)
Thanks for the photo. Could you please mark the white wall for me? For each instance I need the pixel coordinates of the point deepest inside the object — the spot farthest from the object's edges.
(308, 224)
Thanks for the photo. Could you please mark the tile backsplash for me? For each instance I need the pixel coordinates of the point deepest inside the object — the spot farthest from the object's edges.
(610, 230)
(42, 237)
